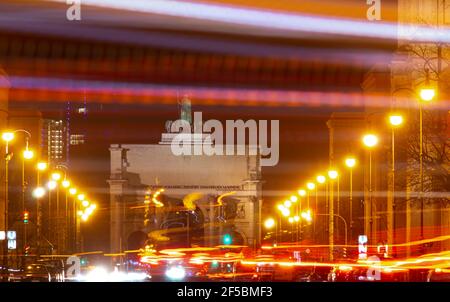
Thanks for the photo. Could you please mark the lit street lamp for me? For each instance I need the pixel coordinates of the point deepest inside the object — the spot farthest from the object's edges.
(311, 186)
(350, 162)
(269, 223)
(395, 120)
(302, 192)
(321, 179)
(370, 141)
(39, 192)
(7, 137)
(427, 94)
(332, 174)
(27, 154)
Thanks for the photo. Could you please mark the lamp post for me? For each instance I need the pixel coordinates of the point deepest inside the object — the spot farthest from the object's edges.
(294, 199)
(320, 181)
(350, 162)
(370, 141)
(40, 167)
(38, 193)
(312, 186)
(7, 137)
(27, 155)
(284, 212)
(395, 120)
(427, 94)
(51, 185)
(333, 175)
(75, 220)
(301, 193)
(56, 176)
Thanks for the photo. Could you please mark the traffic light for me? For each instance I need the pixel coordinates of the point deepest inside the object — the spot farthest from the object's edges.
(27, 250)
(227, 239)
(25, 217)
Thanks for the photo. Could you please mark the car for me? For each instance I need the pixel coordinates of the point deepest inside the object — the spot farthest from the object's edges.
(40, 273)
(439, 275)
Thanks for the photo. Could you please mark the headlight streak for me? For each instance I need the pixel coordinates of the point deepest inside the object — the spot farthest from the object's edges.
(439, 262)
(100, 274)
(284, 21)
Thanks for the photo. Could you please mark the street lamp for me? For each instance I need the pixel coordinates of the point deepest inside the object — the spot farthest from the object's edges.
(286, 212)
(332, 174)
(311, 186)
(269, 223)
(27, 154)
(307, 215)
(287, 203)
(395, 120)
(427, 94)
(7, 137)
(51, 185)
(75, 226)
(293, 198)
(39, 192)
(321, 179)
(56, 176)
(370, 141)
(302, 192)
(42, 166)
(65, 183)
(350, 162)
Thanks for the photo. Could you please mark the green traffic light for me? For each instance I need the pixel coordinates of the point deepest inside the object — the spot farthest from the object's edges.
(227, 239)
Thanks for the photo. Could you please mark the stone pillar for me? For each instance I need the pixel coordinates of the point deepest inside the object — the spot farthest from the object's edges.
(117, 186)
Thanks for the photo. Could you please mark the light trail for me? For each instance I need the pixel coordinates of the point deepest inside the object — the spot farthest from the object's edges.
(219, 200)
(127, 92)
(285, 21)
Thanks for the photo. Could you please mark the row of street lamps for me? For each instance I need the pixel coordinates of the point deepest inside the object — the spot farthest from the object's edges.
(370, 141)
(85, 208)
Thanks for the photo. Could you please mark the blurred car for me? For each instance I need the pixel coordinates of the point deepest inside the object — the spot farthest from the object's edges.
(348, 273)
(439, 275)
(41, 273)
